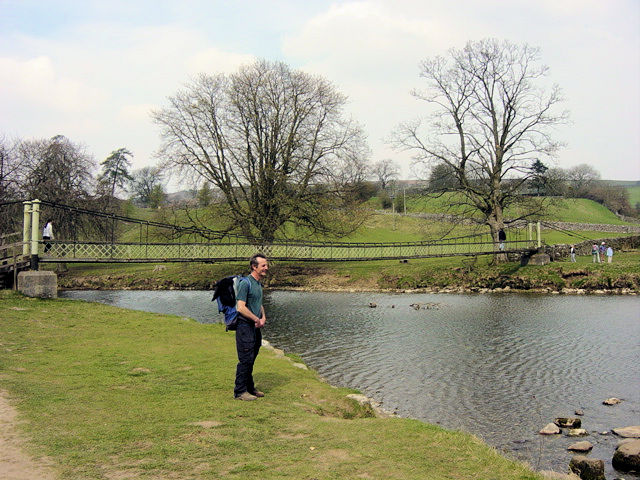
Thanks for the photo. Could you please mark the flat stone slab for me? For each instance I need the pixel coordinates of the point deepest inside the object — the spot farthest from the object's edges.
(628, 432)
(550, 429)
(580, 447)
(38, 283)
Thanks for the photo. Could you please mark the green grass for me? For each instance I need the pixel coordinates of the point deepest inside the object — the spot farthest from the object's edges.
(399, 228)
(110, 393)
(634, 195)
(579, 210)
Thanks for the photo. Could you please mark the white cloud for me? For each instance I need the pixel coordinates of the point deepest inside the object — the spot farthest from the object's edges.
(99, 84)
(371, 51)
(36, 82)
(96, 81)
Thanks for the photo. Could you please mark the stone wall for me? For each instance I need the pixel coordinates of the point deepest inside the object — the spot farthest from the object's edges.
(595, 227)
(584, 227)
(561, 251)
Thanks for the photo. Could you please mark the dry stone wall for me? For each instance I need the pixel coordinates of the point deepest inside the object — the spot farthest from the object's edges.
(561, 251)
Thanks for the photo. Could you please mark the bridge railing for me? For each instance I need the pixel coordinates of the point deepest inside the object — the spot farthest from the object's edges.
(138, 252)
(11, 257)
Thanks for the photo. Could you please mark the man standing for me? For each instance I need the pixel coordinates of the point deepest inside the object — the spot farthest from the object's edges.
(251, 319)
(609, 254)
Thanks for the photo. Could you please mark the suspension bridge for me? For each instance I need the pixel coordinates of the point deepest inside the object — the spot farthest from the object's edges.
(94, 237)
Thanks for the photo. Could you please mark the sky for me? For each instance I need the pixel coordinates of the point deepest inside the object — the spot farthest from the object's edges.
(94, 70)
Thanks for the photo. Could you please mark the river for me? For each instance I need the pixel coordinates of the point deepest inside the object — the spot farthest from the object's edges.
(500, 366)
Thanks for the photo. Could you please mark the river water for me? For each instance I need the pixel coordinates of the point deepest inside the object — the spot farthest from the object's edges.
(500, 366)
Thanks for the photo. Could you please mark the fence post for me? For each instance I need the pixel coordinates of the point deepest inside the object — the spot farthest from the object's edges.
(26, 231)
(538, 235)
(35, 231)
(15, 270)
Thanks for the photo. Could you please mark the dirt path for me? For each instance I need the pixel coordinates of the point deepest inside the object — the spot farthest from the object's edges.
(15, 463)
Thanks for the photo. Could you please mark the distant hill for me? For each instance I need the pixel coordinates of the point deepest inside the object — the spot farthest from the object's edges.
(183, 196)
(622, 183)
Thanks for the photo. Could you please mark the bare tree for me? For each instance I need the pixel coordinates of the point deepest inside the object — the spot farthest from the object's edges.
(59, 171)
(273, 141)
(442, 178)
(146, 186)
(581, 180)
(10, 167)
(386, 171)
(556, 181)
(9, 187)
(490, 122)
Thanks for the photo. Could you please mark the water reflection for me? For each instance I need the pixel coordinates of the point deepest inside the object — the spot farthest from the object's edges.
(499, 366)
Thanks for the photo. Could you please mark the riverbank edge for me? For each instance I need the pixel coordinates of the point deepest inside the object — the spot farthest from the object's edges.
(366, 402)
(438, 275)
(430, 290)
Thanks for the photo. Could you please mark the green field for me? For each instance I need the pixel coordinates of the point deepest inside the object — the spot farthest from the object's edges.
(399, 228)
(634, 195)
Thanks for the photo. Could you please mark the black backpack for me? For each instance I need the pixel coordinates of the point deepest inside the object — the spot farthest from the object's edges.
(225, 294)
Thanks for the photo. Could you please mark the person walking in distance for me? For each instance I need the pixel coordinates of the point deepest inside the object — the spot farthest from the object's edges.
(251, 319)
(47, 234)
(572, 250)
(502, 237)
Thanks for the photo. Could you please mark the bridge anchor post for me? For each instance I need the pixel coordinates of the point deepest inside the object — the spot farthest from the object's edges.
(35, 232)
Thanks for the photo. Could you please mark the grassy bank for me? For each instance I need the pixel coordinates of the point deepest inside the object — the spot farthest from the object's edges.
(434, 273)
(108, 393)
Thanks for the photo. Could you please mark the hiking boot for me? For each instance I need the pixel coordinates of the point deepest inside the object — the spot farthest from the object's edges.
(258, 394)
(246, 396)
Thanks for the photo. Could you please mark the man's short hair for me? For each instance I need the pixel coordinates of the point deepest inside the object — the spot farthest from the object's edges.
(253, 261)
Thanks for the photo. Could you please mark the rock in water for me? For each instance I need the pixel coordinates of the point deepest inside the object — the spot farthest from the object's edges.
(563, 422)
(550, 429)
(627, 456)
(580, 447)
(628, 432)
(577, 432)
(612, 401)
(587, 468)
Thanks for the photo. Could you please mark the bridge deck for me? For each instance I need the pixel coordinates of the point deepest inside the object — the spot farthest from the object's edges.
(95, 252)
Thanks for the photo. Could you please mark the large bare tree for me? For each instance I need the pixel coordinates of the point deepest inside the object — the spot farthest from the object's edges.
(274, 141)
(491, 120)
(386, 171)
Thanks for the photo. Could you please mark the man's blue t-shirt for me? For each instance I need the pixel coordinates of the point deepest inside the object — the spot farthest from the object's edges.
(252, 297)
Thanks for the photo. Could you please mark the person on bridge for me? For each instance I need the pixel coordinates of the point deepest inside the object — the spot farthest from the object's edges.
(251, 319)
(47, 234)
(502, 237)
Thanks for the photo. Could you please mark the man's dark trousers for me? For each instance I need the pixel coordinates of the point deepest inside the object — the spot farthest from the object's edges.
(248, 342)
